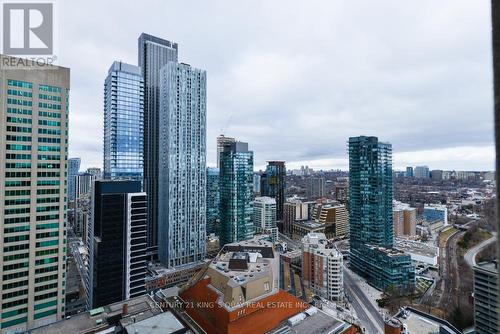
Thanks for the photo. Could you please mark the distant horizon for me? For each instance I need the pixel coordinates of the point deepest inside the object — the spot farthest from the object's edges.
(425, 87)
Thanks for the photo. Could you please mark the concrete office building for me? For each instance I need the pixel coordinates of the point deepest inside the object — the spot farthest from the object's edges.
(264, 214)
(73, 169)
(221, 142)
(436, 175)
(124, 123)
(398, 221)
(154, 53)
(33, 155)
(405, 219)
(315, 187)
(421, 172)
(182, 180)
(322, 270)
(370, 217)
(236, 193)
(486, 297)
(295, 210)
(116, 243)
(334, 217)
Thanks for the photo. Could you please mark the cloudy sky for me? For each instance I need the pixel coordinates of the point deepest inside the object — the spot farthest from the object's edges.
(295, 79)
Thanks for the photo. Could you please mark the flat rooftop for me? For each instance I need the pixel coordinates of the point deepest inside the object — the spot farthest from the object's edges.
(420, 322)
(159, 324)
(415, 247)
(104, 318)
(308, 224)
(317, 323)
(491, 266)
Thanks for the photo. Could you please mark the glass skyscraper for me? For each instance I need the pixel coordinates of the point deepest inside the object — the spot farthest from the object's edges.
(370, 217)
(213, 200)
(73, 169)
(154, 53)
(236, 193)
(123, 123)
(33, 156)
(182, 171)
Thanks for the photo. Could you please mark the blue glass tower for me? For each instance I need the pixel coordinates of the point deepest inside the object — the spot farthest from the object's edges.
(236, 193)
(213, 200)
(370, 217)
(123, 123)
(182, 181)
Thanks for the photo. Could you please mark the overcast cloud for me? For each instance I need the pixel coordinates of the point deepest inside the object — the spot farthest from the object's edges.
(295, 79)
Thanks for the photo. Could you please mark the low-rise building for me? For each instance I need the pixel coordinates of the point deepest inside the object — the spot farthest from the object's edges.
(137, 315)
(301, 228)
(418, 251)
(433, 212)
(159, 276)
(410, 320)
(322, 270)
(335, 218)
(239, 291)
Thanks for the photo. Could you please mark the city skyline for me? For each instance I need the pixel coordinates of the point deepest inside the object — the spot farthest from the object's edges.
(380, 82)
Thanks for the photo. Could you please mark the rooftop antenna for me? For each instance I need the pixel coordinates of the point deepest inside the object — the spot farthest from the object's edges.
(226, 126)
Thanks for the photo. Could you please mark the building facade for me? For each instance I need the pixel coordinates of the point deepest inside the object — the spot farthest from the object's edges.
(123, 123)
(182, 181)
(295, 210)
(370, 217)
(236, 193)
(421, 172)
(221, 142)
(322, 267)
(433, 212)
(33, 155)
(335, 218)
(409, 172)
(264, 214)
(154, 53)
(486, 297)
(213, 201)
(73, 169)
(315, 187)
(116, 243)
(273, 184)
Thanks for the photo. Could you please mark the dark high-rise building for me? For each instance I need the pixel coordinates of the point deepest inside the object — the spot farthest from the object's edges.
(236, 193)
(370, 217)
(154, 53)
(116, 242)
(213, 200)
(273, 184)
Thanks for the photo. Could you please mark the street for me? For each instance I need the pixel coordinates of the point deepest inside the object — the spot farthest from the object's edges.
(367, 314)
